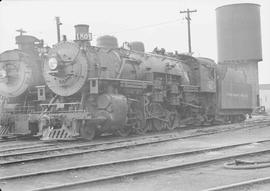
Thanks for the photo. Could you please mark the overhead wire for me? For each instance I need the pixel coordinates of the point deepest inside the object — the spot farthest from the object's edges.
(149, 26)
(145, 26)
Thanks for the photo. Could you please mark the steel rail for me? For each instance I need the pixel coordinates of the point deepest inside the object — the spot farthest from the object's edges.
(15, 138)
(7, 140)
(240, 185)
(26, 146)
(19, 143)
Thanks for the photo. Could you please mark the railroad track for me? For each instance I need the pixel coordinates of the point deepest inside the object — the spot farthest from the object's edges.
(23, 139)
(245, 185)
(6, 140)
(24, 143)
(73, 177)
(55, 151)
(16, 137)
(20, 143)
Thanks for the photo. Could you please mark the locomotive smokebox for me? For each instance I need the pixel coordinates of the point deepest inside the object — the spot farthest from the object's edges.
(82, 33)
(239, 32)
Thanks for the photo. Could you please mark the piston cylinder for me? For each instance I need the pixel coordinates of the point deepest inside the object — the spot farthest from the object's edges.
(114, 108)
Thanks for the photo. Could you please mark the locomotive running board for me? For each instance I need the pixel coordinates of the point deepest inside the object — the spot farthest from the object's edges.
(58, 134)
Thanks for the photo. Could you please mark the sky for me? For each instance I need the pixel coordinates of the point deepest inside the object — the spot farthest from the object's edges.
(157, 23)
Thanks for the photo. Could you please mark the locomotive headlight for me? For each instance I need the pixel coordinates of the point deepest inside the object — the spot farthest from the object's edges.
(53, 63)
(3, 73)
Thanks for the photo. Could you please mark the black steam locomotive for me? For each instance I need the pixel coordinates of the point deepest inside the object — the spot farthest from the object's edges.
(20, 74)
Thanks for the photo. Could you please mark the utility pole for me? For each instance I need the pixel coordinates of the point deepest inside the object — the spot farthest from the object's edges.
(21, 31)
(188, 24)
(58, 23)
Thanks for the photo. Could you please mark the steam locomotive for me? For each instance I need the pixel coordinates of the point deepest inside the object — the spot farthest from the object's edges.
(20, 74)
(105, 88)
(95, 89)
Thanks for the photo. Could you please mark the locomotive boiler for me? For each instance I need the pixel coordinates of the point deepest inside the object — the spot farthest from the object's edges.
(20, 73)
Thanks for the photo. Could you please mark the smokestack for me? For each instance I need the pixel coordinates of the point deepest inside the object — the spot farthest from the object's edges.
(82, 33)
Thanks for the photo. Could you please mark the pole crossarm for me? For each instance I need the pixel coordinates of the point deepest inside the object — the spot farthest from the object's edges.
(21, 31)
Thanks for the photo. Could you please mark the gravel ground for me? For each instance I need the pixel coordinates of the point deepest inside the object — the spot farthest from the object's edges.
(188, 179)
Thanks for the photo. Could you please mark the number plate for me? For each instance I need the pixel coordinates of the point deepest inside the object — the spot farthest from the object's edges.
(84, 36)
